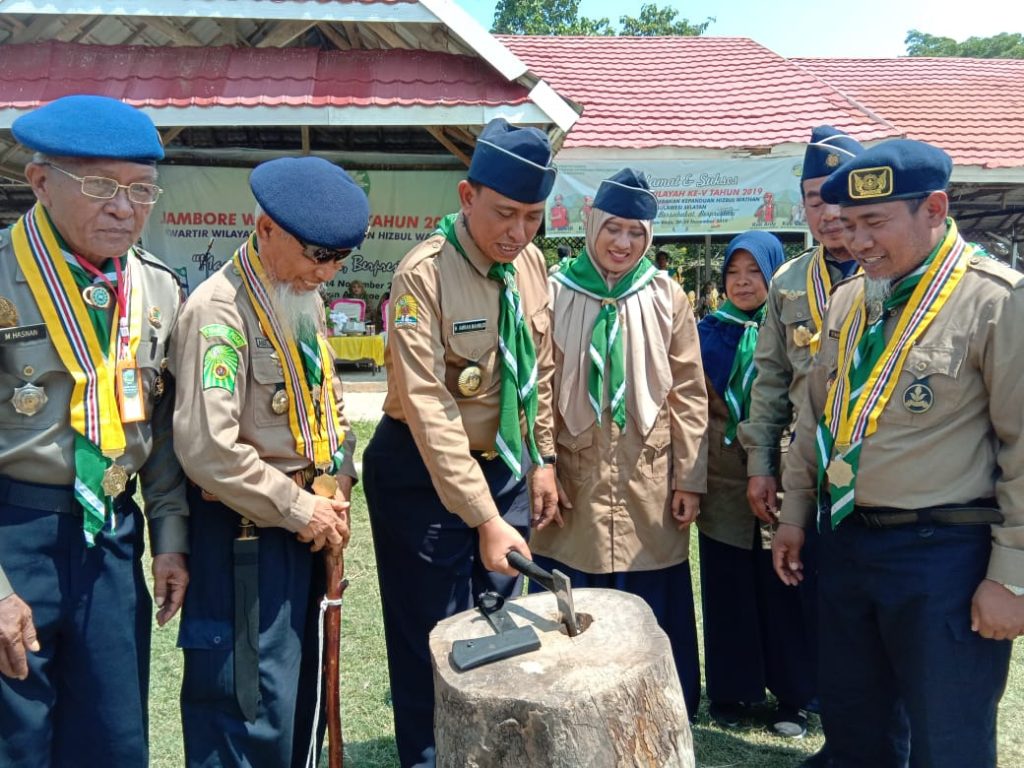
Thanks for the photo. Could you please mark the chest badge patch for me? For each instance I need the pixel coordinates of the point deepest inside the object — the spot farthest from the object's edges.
(29, 399)
(470, 379)
(8, 313)
(802, 335)
(918, 397)
(407, 311)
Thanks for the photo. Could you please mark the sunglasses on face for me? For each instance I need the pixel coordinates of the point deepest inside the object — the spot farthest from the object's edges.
(320, 255)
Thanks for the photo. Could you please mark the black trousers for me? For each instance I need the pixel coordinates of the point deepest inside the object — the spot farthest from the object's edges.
(428, 567)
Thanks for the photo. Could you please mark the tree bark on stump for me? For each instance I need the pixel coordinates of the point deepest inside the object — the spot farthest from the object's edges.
(606, 698)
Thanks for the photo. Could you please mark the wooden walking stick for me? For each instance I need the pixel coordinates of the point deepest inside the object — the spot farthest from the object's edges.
(327, 486)
(336, 584)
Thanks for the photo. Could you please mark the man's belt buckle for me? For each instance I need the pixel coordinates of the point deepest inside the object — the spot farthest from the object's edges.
(488, 455)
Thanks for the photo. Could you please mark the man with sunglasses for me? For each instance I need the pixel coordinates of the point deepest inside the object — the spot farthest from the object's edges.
(468, 415)
(85, 410)
(261, 434)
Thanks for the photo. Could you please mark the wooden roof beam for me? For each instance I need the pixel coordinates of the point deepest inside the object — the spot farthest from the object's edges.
(444, 141)
(283, 32)
(169, 29)
(334, 36)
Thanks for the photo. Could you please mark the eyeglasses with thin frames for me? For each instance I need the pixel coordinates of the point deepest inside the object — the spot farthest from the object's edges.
(102, 188)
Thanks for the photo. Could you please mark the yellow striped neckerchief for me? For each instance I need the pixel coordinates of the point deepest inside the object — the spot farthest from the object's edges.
(845, 424)
(819, 288)
(313, 423)
(94, 411)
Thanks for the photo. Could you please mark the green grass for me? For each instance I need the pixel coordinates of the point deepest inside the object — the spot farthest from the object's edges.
(367, 720)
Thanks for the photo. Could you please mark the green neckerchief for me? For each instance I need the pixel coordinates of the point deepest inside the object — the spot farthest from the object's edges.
(743, 372)
(869, 350)
(518, 362)
(607, 350)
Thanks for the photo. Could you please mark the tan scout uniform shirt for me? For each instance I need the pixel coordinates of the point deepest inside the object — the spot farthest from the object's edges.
(231, 443)
(40, 448)
(621, 482)
(455, 326)
(725, 515)
(782, 363)
(968, 445)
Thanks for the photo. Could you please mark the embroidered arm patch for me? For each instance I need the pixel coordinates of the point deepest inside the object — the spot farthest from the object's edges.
(231, 335)
(220, 367)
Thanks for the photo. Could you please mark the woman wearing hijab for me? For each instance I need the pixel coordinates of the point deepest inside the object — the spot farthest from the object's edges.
(746, 609)
(631, 418)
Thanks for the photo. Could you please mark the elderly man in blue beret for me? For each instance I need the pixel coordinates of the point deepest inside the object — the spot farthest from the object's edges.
(262, 436)
(85, 413)
(467, 418)
(909, 453)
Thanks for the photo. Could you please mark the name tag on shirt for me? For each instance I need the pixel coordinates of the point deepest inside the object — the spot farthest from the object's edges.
(833, 334)
(468, 326)
(262, 342)
(22, 333)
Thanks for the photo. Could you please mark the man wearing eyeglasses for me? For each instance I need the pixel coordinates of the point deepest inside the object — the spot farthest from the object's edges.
(261, 433)
(85, 411)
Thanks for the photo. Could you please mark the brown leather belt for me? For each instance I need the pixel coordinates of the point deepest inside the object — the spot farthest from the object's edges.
(982, 512)
(301, 477)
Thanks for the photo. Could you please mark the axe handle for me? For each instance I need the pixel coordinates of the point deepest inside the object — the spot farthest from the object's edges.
(335, 567)
(531, 570)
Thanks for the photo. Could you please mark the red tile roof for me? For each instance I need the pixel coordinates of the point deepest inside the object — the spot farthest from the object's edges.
(972, 108)
(694, 92)
(180, 77)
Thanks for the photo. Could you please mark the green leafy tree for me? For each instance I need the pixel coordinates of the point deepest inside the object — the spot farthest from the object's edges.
(1006, 45)
(545, 17)
(654, 21)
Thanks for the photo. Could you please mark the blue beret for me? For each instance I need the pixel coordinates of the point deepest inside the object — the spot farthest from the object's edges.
(828, 149)
(90, 126)
(312, 200)
(763, 246)
(514, 162)
(627, 195)
(898, 169)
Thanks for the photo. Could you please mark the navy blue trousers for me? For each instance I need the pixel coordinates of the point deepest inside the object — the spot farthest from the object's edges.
(902, 677)
(85, 701)
(291, 584)
(429, 569)
(756, 633)
(669, 593)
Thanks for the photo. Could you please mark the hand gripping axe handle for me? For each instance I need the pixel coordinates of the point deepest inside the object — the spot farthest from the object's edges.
(556, 582)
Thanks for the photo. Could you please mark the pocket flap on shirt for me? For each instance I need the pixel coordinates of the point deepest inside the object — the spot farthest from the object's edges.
(575, 443)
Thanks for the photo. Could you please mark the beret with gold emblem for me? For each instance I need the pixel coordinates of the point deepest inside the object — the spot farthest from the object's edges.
(898, 169)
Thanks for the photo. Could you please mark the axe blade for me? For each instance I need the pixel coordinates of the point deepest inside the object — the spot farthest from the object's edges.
(563, 597)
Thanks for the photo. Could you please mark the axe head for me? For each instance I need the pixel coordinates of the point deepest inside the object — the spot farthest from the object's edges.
(563, 597)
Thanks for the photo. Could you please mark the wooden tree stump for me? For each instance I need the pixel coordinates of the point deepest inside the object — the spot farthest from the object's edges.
(608, 697)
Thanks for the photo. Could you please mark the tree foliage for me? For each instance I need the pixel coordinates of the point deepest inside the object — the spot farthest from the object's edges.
(654, 21)
(562, 17)
(545, 17)
(1002, 46)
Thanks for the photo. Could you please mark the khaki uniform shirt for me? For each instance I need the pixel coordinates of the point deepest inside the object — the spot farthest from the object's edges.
(725, 514)
(230, 442)
(40, 448)
(453, 324)
(968, 445)
(621, 482)
(783, 358)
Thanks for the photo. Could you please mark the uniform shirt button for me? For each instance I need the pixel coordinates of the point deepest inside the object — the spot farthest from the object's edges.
(801, 315)
(921, 365)
(28, 371)
(216, 640)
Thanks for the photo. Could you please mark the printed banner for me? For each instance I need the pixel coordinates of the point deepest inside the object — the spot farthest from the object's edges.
(205, 213)
(695, 197)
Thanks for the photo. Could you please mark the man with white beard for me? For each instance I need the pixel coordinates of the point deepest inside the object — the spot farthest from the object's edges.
(266, 446)
(909, 454)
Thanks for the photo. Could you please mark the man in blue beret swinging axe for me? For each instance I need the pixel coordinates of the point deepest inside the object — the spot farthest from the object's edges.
(262, 435)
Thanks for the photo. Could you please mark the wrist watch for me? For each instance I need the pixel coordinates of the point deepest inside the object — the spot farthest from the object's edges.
(549, 461)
